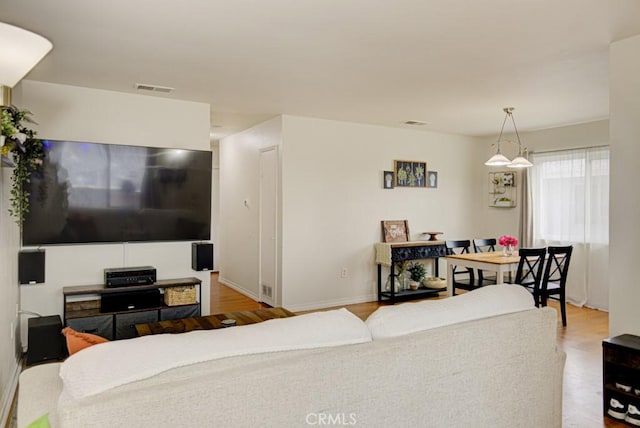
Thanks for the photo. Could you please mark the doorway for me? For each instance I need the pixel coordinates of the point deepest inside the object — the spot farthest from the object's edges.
(268, 259)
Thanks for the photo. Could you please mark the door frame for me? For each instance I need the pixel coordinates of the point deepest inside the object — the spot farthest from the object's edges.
(274, 299)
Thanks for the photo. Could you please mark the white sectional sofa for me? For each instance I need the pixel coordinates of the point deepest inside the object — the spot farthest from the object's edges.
(487, 358)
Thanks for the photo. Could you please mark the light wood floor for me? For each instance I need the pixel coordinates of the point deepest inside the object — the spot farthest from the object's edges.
(581, 340)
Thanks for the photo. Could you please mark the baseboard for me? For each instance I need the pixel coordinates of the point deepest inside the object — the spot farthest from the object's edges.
(306, 306)
(332, 303)
(237, 288)
(9, 397)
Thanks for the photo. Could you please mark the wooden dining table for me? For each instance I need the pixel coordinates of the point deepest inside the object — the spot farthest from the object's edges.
(492, 261)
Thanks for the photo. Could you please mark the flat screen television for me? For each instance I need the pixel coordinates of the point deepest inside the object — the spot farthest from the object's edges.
(99, 193)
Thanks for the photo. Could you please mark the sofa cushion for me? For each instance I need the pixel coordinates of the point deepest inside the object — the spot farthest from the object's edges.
(392, 321)
(116, 363)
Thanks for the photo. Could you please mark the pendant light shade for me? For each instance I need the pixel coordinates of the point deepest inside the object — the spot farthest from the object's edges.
(20, 51)
(498, 159)
(520, 162)
(501, 160)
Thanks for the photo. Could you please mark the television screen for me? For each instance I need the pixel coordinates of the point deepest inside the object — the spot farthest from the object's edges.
(93, 193)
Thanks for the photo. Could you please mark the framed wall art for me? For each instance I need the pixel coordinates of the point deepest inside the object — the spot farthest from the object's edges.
(395, 231)
(502, 189)
(410, 173)
(432, 179)
(387, 179)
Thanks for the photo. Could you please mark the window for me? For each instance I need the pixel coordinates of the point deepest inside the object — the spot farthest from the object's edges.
(569, 199)
(570, 196)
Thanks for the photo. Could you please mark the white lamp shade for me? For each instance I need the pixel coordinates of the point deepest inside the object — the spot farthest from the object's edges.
(20, 51)
(498, 160)
(520, 162)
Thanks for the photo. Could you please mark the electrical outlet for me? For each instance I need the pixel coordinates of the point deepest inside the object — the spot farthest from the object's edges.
(344, 273)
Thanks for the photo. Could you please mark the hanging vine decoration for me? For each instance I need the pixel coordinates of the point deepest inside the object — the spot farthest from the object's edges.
(21, 148)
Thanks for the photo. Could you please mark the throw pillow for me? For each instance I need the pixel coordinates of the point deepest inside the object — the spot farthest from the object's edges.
(77, 341)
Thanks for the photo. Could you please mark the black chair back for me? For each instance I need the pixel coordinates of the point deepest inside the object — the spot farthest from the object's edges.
(554, 281)
(481, 246)
(484, 245)
(460, 247)
(557, 266)
(529, 273)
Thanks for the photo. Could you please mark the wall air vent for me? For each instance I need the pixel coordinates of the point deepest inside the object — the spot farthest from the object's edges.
(153, 88)
(415, 123)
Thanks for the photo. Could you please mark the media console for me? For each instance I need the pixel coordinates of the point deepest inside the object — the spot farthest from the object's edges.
(83, 309)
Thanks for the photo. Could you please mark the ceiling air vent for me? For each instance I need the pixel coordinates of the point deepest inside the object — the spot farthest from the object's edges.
(153, 88)
(415, 123)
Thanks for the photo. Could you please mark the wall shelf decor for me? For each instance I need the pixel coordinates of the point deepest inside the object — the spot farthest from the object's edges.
(410, 173)
(502, 189)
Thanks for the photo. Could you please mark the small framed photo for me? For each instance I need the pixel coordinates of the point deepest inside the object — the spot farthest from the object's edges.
(387, 179)
(410, 173)
(395, 231)
(432, 179)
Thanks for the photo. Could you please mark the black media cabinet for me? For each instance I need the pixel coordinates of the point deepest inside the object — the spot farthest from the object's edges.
(82, 311)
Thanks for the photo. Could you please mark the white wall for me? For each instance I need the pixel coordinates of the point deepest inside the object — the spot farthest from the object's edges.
(624, 209)
(82, 114)
(239, 182)
(9, 326)
(332, 203)
(215, 203)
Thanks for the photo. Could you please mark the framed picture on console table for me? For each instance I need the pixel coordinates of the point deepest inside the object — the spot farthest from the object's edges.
(395, 231)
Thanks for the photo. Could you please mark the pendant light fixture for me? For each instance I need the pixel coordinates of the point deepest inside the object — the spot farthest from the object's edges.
(20, 51)
(501, 160)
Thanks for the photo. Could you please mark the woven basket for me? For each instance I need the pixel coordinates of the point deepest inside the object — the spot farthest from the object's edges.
(174, 296)
(436, 282)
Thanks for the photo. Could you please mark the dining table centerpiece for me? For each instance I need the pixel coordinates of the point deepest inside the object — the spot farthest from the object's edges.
(509, 244)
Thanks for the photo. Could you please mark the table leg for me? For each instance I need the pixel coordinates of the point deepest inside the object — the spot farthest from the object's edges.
(450, 266)
(379, 283)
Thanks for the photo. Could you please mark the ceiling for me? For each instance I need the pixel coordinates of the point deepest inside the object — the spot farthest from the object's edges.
(453, 64)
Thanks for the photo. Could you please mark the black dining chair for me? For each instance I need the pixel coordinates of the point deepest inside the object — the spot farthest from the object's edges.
(554, 281)
(463, 278)
(482, 246)
(529, 272)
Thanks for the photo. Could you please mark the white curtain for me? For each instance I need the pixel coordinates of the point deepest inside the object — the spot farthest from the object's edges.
(570, 205)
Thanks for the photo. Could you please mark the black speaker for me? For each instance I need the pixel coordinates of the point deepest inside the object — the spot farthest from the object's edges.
(45, 340)
(201, 256)
(31, 267)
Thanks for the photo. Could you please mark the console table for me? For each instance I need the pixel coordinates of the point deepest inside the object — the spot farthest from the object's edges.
(401, 252)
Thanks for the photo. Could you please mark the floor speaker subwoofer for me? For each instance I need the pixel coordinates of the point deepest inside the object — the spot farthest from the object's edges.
(46, 341)
(31, 267)
(201, 256)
